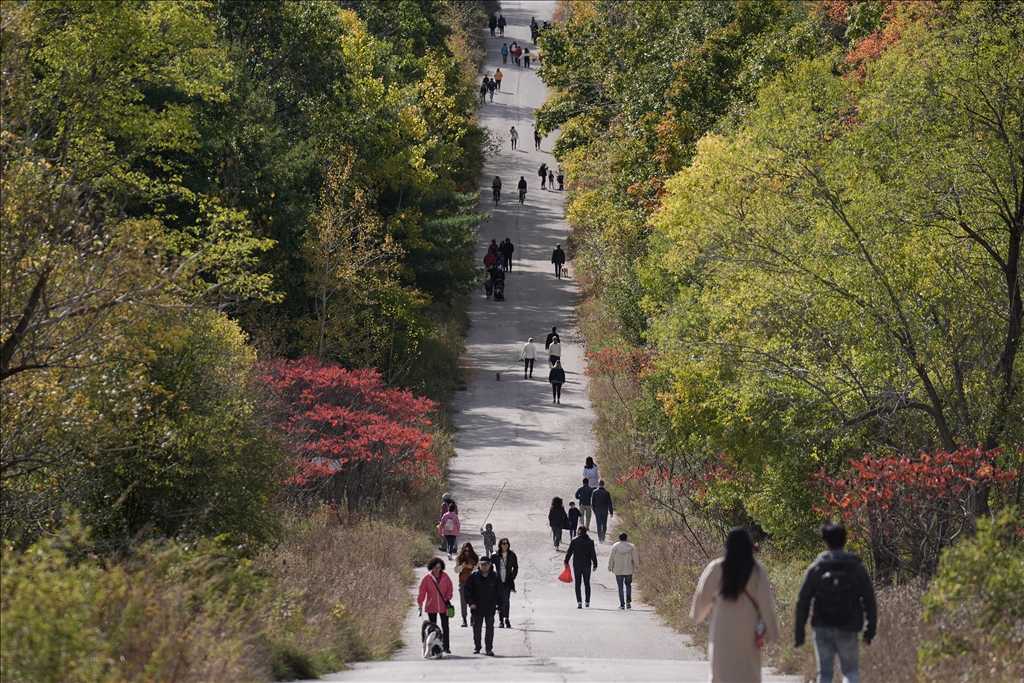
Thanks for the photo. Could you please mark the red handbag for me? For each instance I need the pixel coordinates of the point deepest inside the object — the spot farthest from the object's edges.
(566, 575)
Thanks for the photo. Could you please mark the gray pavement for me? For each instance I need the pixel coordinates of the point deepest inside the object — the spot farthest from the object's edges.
(511, 434)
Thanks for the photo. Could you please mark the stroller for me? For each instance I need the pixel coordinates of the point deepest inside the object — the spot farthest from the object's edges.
(499, 290)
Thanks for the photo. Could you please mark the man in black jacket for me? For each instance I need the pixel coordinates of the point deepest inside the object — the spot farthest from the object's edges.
(558, 258)
(584, 556)
(547, 341)
(507, 249)
(583, 495)
(843, 595)
(601, 500)
(483, 593)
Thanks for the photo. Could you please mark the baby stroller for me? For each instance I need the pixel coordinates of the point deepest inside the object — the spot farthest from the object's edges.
(499, 290)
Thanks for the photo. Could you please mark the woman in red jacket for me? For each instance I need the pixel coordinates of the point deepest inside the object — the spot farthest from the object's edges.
(436, 592)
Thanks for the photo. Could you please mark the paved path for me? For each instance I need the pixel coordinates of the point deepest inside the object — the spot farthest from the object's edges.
(510, 433)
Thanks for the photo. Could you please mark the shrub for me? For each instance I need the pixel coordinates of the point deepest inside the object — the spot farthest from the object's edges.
(976, 604)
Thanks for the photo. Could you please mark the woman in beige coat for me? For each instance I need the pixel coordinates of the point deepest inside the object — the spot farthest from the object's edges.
(734, 589)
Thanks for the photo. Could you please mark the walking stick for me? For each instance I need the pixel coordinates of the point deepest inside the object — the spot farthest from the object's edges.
(493, 504)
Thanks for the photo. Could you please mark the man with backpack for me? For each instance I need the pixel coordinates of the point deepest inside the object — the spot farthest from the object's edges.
(843, 598)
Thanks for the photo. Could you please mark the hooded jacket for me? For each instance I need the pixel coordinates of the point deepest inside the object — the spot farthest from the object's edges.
(624, 560)
(849, 564)
(433, 596)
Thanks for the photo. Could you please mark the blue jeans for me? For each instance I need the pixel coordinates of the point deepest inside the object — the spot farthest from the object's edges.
(582, 574)
(602, 524)
(451, 541)
(627, 580)
(829, 642)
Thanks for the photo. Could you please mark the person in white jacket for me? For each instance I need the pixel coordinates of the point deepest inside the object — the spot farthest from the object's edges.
(623, 561)
(528, 355)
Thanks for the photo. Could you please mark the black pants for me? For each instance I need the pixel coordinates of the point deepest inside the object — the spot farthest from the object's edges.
(602, 524)
(528, 367)
(504, 59)
(556, 393)
(558, 270)
(479, 621)
(582, 574)
(513, 143)
(444, 628)
(497, 84)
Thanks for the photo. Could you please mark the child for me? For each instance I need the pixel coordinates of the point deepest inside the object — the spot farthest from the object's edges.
(574, 519)
(490, 540)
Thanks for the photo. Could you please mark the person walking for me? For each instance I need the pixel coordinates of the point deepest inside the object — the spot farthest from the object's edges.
(584, 558)
(504, 53)
(583, 495)
(734, 590)
(506, 566)
(446, 500)
(501, 25)
(496, 187)
(489, 538)
(514, 136)
(551, 179)
(602, 502)
(533, 30)
(483, 592)
(449, 528)
(492, 85)
(622, 562)
(465, 562)
(522, 189)
(483, 90)
(551, 335)
(543, 173)
(526, 58)
(536, 139)
(518, 52)
(591, 473)
(561, 178)
(507, 249)
(492, 24)
(557, 518)
(558, 258)
(528, 355)
(554, 352)
(557, 378)
(497, 78)
(434, 596)
(844, 603)
(574, 519)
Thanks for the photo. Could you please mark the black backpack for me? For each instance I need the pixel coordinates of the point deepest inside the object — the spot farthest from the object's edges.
(837, 598)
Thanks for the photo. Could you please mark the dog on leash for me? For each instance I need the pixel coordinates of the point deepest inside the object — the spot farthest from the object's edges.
(433, 640)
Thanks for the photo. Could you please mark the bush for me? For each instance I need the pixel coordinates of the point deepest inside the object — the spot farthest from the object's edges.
(976, 605)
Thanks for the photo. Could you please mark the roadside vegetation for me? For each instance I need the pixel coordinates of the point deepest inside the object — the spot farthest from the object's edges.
(798, 230)
(235, 256)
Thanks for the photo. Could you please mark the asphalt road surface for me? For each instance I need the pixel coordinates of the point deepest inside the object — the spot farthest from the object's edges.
(511, 434)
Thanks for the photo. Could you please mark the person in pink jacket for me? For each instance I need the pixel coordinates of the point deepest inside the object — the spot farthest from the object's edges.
(436, 592)
(449, 528)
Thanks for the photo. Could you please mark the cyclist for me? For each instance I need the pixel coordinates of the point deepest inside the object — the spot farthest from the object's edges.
(522, 189)
(496, 186)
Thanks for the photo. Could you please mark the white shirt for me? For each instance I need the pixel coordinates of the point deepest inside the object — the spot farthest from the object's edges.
(555, 349)
(529, 351)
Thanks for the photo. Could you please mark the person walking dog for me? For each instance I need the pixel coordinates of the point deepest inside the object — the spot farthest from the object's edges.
(528, 355)
(844, 606)
(622, 562)
(584, 558)
(558, 258)
(434, 596)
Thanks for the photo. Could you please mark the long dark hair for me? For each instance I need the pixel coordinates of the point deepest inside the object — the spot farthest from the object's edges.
(589, 462)
(467, 553)
(739, 562)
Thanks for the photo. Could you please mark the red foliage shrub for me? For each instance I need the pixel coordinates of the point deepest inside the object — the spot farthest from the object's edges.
(908, 510)
(359, 442)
